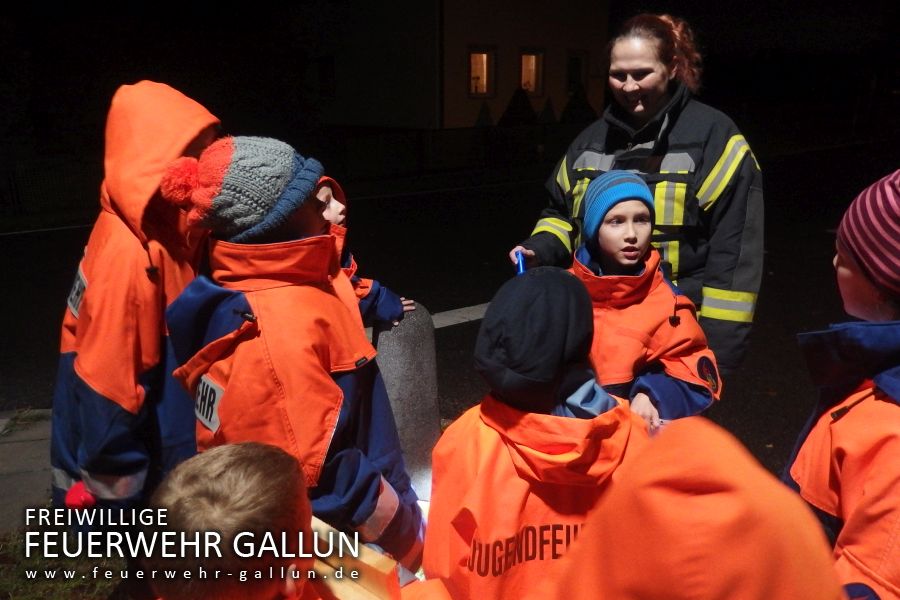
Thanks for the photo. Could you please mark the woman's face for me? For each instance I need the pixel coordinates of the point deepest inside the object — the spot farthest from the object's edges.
(638, 80)
(624, 237)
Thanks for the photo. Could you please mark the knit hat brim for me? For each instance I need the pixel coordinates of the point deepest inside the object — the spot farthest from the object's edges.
(606, 191)
(870, 231)
(306, 174)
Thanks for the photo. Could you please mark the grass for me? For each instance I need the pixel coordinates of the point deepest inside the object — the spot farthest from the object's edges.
(15, 585)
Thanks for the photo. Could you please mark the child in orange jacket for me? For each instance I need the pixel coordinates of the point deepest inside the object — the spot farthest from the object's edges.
(377, 303)
(271, 345)
(120, 421)
(711, 524)
(847, 461)
(648, 345)
(515, 476)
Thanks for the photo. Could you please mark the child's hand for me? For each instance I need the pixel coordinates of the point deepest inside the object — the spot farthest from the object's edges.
(408, 305)
(530, 260)
(643, 407)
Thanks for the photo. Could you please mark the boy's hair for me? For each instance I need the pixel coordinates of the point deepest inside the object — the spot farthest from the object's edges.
(230, 489)
(606, 191)
(538, 327)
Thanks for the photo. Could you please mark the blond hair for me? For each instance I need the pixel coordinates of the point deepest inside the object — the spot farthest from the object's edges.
(247, 487)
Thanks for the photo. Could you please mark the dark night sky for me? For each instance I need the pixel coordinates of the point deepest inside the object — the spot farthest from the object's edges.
(58, 73)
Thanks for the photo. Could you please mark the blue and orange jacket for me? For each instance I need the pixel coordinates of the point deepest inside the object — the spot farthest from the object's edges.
(846, 461)
(118, 417)
(512, 489)
(647, 339)
(377, 303)
(272, 350)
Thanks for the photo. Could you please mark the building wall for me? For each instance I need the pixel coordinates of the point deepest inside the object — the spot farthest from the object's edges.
(386, 68)
(510, 25)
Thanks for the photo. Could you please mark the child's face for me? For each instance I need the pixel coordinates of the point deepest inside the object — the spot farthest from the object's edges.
(333, 210)
(624, 237)
(861, 298)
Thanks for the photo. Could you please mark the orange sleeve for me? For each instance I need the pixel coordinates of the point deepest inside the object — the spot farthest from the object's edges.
(681, 347)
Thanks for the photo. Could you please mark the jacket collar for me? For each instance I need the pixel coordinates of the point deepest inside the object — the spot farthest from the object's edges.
(619, 290)
(655, 127)
(848, 353)
(249, 267)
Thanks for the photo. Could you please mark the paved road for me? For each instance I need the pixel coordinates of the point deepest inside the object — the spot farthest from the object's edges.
(447, 250)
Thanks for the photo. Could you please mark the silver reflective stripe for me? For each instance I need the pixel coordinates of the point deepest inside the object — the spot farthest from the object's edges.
(677, 161)
(385, 509)
(746, 307)
(590, 159)
(411, 557)
(114, 487)
(61, 479)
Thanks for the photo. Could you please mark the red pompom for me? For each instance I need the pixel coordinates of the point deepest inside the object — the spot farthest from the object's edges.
(180, 180)
(78, 496)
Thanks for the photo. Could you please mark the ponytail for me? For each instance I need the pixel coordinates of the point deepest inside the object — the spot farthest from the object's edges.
(674, 43)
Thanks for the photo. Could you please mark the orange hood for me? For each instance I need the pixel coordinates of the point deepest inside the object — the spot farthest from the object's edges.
(563, 450)
(695, 516)
(149, 125)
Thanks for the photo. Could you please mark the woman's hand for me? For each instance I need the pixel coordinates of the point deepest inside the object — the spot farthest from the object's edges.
(642, 406)
(530, 260)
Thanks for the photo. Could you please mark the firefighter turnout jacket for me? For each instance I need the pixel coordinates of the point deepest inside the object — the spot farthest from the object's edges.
(707, 189)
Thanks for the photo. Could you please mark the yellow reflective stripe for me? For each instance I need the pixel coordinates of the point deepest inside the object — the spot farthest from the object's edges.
(557, 227)
(562, 176)
(578, 195)
(668, 252)
(728, 305)
(721, 173)
(732, 295)
(668, 202)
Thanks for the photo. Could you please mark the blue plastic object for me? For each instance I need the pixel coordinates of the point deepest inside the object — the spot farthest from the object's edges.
(520, 263)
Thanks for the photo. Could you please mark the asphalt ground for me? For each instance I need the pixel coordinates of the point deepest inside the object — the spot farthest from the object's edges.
(447, 247)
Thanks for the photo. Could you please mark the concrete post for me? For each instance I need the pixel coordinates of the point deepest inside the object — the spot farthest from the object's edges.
(407, 361)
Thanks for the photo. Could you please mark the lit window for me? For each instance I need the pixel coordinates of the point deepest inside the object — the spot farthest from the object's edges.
(481, 72)
(532, 77)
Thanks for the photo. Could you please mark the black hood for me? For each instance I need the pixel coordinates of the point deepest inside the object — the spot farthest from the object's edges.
(535, 339)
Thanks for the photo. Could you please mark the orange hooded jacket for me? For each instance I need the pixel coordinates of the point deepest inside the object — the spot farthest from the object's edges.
(847, 459)
(710, 524)
(273, 351)
(511, 491)
(849, 467)
(113, 380)
(642, 323)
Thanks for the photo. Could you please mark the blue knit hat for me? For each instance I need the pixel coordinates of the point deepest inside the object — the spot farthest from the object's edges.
(606, 191)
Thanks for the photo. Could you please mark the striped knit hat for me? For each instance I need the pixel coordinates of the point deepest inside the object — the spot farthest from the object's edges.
(241, 188)
(870, 231)
(606, 191)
